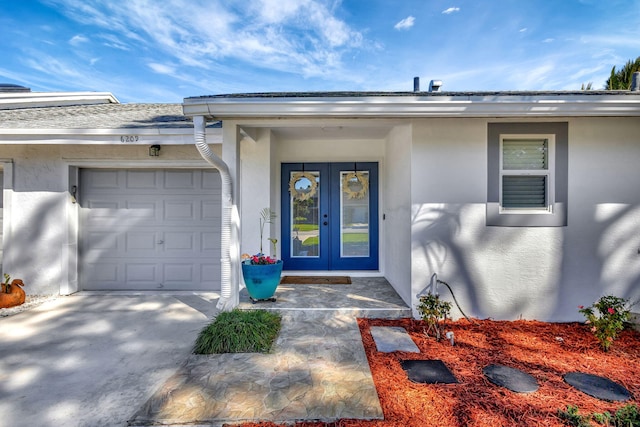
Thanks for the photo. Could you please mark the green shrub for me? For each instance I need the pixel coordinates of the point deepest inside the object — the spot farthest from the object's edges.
(608, 317)
(604, 418)
(626, 416)
(571, 417)
(433, 312)
(239, 331)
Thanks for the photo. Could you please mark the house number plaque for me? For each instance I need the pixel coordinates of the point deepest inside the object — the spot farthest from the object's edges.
(129, 138)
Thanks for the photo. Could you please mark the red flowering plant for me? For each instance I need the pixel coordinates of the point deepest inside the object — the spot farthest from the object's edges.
(608, 316)
(260, 259)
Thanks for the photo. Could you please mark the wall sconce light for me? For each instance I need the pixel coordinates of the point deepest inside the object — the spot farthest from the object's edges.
(154, 151)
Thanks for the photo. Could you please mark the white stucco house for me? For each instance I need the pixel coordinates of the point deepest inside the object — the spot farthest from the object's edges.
(526, 203)
(89, 204)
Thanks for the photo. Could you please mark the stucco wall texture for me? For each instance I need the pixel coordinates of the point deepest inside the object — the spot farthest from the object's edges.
(433, 193)
(527, 272)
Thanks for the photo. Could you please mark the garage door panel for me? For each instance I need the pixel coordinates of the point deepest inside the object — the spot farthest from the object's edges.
(103, 180)
(108, 215)
(142, 179)
(141, 272)
(102, 211)
(210, 211)
(139, 242)
(209, 273)
(103, 272)
(210, 241)
(179, 210)
(210, 180)
(178, 273)
(102, 241)
(150, 229)
(140, 210)
(179, 180)
(179, 241)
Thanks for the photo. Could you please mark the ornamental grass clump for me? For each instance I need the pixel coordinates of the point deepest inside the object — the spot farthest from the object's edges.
(239, 331)
(608, 317)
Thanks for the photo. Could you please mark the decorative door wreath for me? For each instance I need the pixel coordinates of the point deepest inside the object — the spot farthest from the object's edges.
(303, 195)
(347, 183)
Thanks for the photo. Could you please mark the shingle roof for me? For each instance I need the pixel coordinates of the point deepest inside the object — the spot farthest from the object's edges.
(101, 116)
(355, 94)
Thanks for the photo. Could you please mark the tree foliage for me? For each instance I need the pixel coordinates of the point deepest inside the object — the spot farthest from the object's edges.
(621, 79)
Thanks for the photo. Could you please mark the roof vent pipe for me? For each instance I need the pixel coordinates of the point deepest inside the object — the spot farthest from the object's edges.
(416, 84)
(434, 85)
(635, 82)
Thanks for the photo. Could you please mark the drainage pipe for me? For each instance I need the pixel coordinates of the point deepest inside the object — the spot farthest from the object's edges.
(226, 301)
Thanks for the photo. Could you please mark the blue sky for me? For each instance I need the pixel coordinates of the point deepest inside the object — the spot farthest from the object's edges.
(165, 50)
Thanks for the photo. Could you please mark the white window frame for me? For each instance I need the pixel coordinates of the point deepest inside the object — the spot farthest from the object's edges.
(548, 173)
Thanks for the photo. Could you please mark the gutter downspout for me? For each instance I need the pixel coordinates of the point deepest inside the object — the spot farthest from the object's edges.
(226, 301)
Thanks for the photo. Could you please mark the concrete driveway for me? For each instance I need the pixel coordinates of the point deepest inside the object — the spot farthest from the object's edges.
(93, 360)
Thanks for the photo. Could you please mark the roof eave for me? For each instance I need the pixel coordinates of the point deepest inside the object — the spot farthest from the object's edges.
(442, 106)
(122, 136)
(15, 100)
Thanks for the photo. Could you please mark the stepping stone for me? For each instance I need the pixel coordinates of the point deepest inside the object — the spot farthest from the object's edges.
(511, 378)
(393, 338)
(598, 387)
(428, 372)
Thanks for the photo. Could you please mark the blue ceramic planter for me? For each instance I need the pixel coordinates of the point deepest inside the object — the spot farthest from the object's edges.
(261, 280)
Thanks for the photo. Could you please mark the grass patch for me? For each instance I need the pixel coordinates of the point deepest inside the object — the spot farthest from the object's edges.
(239, 331)
(305, 227)
(346, 238)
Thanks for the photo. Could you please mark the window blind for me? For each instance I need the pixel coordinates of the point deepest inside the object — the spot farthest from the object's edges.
(524, 191)
(525, 154)
(522, 187)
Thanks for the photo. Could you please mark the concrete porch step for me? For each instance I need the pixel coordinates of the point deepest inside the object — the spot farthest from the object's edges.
(364, 297)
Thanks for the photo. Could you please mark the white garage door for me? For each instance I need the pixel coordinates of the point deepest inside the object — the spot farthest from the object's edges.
(149, 229)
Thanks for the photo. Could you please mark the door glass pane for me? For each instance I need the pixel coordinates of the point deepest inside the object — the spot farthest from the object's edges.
(304, 190)
(354, 214)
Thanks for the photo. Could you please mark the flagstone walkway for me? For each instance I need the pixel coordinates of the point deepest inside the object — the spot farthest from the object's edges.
(318, 371)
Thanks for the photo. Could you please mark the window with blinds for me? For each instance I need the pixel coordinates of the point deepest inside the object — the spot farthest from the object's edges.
(525, 173)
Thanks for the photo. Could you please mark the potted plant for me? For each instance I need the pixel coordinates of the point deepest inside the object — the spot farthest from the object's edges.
(11, 294)
(261, 272)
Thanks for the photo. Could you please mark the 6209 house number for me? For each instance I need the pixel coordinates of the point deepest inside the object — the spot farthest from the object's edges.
(129, 138)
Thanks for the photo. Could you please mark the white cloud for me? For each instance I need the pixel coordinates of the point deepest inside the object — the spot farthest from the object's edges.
(405, 24)
(451, 10)
(78, 40)
(305, 37)
(548, 40)
(523, 30)
(162, 68)
(111, 40)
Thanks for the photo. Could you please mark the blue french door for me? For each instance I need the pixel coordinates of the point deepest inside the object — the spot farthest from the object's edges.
(330, 216)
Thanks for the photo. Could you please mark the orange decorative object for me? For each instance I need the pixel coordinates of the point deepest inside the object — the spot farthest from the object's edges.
(12, 294)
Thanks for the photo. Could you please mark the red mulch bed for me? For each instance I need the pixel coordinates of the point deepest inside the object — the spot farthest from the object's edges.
(545, 350)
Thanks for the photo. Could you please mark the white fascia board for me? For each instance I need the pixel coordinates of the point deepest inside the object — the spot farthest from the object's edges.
(183, 136)
(54, 99)
(406, 106)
